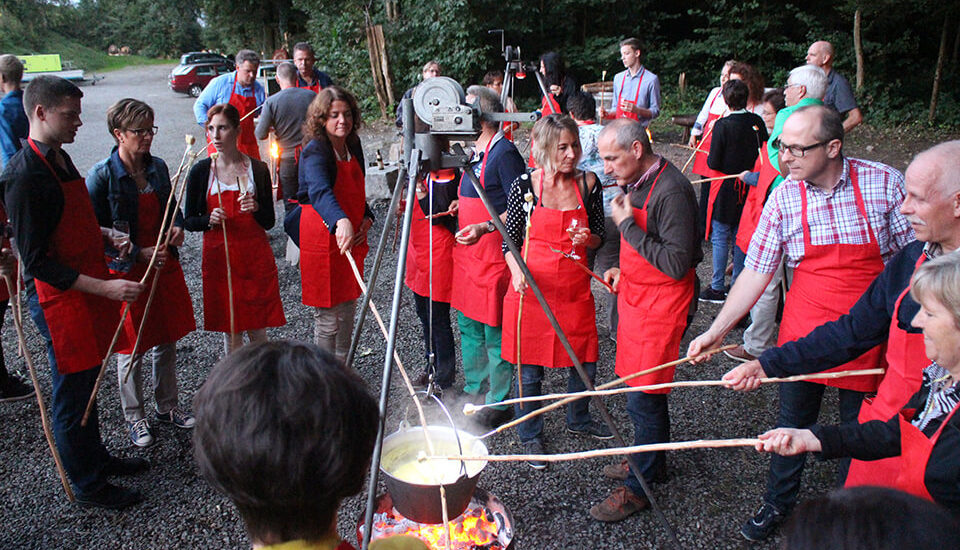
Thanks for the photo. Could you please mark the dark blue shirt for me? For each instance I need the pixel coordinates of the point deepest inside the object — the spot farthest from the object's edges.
(864, 327)
(318, 175)
(13, 125)
(318, 77)
(503, 167)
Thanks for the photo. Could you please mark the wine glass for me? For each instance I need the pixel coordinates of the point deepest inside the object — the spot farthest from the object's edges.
(572, 230)
(121, 236)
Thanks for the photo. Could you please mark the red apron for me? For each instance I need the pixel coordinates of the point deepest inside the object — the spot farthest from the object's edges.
(653, 312)
(417, 277)
(326, 278)
(636, 97)
(715, 187)
(315, 87)
(247, 140)
(915, 449)
(566, 288)
(256, 289)
(756, 198)
(826, 284)
(81, 324)
(171, 314)
(480, 274)
(906, 358)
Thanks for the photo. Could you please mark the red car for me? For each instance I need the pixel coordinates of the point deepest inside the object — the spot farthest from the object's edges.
(192, 79)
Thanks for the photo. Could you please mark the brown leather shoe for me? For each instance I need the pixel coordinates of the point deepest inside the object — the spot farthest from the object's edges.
(621, 504)
(619, 471)
(739, 354)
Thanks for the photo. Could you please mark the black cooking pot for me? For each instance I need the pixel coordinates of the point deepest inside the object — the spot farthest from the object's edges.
(421, 502)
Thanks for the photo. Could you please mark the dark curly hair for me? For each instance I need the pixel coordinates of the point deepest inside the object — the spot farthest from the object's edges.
(319, 111)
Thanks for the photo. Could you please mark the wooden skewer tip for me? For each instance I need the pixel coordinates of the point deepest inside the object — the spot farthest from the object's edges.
(469, 408)
(190, 139)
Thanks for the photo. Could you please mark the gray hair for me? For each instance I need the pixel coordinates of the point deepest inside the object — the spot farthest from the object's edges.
(248, 55)
(11, 69)
(488, 101)
(546, 133)
(945, 158)
(940, 279)
(287, 72)
(304, 47)
(812, 78)
(627, 131)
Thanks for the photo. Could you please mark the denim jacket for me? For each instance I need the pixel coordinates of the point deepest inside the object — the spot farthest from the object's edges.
(115, 195)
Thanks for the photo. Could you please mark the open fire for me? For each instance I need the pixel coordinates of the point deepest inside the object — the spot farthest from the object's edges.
(485, 525)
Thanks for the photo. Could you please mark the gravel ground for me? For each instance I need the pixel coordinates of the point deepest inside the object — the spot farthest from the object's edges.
(708, 495)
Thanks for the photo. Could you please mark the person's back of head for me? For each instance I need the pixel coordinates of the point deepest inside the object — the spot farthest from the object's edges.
(582, 106)
(11, 69)
(812, 78)
(287, 74)
(735, 94)
(870, 518)
(488, 101)
(285, 431)
(626, 132)
(48, 92)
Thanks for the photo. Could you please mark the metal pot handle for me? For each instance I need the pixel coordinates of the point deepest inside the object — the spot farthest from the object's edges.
(456, 432)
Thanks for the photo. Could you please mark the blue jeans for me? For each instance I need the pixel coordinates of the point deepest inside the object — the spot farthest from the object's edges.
(723, 236)
(651, 424)
(799, 408)
(578, 412)
(81, 448)
(445, 356)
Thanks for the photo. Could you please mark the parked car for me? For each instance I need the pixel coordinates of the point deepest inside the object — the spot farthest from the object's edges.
(191, 58)
(192, 79)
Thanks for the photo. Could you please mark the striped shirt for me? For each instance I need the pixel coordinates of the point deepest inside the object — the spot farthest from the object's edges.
(832, 215)
(943, 397)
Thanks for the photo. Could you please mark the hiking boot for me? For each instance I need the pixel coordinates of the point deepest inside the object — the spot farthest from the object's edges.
(593, 428)
(619, 471)
(739, 354)
(493, 418)
(621, 504)
(763, 523)
(15, 389)
(713, 296)
(178, 418)
(140, 433)
(110, 497)
(535, 447)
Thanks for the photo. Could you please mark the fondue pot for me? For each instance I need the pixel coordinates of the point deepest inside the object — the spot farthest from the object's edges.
(414, 484)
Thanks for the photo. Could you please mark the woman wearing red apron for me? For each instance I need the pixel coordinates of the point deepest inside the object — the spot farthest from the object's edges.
(130, 186)
(234, 190)
(335, 219)
(926, 432)
(430, 271)
(566, 219)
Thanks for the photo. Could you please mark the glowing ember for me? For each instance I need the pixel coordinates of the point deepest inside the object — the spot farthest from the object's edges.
(275, 150)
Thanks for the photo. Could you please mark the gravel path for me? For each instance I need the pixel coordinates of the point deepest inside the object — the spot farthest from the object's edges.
(708, 495)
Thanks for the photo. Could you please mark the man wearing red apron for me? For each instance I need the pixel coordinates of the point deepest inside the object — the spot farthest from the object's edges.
(656, 283)
(883, 313)
(636, 90)
(835, 222)
(242, 90)
(73, 300)
(309, 78)
(480, 274)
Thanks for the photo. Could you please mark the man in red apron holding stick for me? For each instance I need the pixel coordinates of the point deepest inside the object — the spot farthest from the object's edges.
(242, 90)
(656, 284)
(72, 298)
(636, 90)
(836, 221)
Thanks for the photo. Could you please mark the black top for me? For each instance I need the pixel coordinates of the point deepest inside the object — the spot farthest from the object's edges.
(34, 203)
(444, 193)
(516, 217)
(736, 142)
(318, 176)
(195, 217)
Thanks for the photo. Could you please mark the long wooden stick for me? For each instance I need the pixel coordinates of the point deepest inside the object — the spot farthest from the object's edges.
(470, 408)
(246, 116)
(528, 199)
(44, 421)
(605, 386)
(718, 178)
(597, 453)
(190, 140)
(704, 138)
(586, 269)
(226, 253)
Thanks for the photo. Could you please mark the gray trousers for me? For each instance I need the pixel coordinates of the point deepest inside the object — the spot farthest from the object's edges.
(164, 381)
(333, 327)
(761, 335)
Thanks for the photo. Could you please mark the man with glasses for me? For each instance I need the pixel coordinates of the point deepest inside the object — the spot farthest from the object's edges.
(836, 221)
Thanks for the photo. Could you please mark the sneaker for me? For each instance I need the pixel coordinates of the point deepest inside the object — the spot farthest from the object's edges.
(125, 466)
(739, 354)
(621, 504)
(535, 447)
(15, 389)
(594, 428)
(111, 497)
(178, 418)
(713, 296)
(761, 525)
(493, 418)
(619, 471)
(140, 433)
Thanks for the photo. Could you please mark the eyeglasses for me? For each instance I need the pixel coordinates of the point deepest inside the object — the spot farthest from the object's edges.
(140, 132)
(797, 151)
(787, 86)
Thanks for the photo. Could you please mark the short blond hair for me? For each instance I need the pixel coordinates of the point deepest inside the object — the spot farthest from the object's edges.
(545, 136)
(940, 279)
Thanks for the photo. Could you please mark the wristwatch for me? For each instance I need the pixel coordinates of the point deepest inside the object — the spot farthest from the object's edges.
(490, 227)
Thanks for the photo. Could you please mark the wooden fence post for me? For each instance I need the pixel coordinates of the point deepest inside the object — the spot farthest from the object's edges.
(858, 47)
(938, 74)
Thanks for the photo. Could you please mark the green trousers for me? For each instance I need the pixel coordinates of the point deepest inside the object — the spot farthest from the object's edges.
(483, 368)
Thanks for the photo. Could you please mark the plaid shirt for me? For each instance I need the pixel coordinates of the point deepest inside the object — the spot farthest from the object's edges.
(833, 216)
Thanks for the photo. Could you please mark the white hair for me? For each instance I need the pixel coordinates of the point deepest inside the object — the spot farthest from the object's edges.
(812, 78)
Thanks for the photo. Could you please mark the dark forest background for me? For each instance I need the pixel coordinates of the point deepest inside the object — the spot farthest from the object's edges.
(902, 39)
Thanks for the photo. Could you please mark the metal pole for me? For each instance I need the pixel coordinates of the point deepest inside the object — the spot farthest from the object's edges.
(597, 401)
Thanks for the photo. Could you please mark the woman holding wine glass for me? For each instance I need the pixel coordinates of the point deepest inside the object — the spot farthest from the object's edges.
(129, 190)
(230, 199)
(565, 220)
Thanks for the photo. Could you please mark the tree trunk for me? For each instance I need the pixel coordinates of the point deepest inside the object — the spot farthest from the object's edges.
(858, 47)
(939, 71)
(956, 43)
(378, 83)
